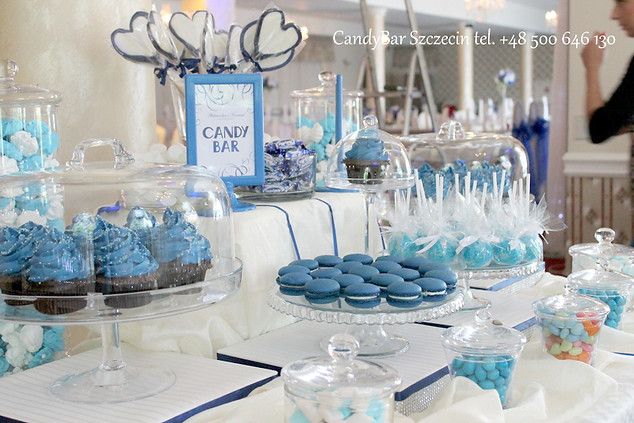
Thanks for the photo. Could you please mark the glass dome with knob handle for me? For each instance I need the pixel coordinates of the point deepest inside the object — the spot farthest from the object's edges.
(371, 161)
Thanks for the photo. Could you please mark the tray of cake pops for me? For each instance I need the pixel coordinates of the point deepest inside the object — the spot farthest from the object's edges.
(360, 289)
(483, 229)
(128, 242)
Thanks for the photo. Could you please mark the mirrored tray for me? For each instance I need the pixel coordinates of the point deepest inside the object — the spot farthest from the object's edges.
(367, 324)
(114, 380)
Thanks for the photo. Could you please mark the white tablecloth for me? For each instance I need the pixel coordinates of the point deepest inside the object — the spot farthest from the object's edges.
(263, 243)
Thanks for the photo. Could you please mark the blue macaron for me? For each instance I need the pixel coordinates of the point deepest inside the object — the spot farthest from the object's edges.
(383, 280)
(325, 272)
(363, 295)
(407, 274)
(328, 260)
(346, 266)
(385, 266)
(404, 294)
(322, 291)
(432, 266)
(432, 289)
(366, 272)
(293, 283)
(414, 262)
(347, 280)
(361, 258)
(396, 259)
(446, 275)
(310, 264)
(292, 269)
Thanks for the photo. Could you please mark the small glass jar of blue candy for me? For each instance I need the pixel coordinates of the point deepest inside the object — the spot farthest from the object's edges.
(314, 112)
(484, 351)
(453, 152)
(28, 124)
(611, 288)
(339, 387)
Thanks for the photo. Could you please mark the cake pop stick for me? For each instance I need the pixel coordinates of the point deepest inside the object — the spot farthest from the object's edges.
(484, 196)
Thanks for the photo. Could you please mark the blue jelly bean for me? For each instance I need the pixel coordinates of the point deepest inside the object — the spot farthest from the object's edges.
(499, 382)
(488, 365)
(554, 330)
(456, 363)
(502, 365)
(577, 329)
(505, 373)
(573, 338)
(493, 375)
(480, 373)
(620, 300)
(564, 333)
(469, 367)
(487, 384)
(4, 366)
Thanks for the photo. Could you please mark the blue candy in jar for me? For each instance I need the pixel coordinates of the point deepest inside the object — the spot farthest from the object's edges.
(442, 251)
(488, 372)
(613, 299)
(509, 252)
(534, 247)
(477, 255)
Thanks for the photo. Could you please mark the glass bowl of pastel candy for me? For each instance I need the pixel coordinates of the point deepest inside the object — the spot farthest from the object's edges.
(485, 352)
(339, 387)
(570, 325)
(609, 287)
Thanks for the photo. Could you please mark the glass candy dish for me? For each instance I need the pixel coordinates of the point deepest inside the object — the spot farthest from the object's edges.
(289, 173)
(570, 325)
(339, 385)
(611, 288)
(485, 352)
(452, 151)
(615, 257)
(315, 116)
(112, 261)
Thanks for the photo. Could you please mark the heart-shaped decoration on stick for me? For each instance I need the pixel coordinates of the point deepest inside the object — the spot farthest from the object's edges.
(189, 31)
(161, 38)
(214, 44)
(134, 44)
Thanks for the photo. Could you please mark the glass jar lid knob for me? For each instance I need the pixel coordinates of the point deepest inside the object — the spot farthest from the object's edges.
(451, 130)
(8, 70)
(343, 347)
(604, 235)
(370, 121)
(327, 78)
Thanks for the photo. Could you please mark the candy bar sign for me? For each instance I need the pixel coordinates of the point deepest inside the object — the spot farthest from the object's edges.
(224, 126)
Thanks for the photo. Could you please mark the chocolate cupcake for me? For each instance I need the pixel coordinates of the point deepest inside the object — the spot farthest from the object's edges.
(367, 161)
(15, 250)
(58, 267)
(184, 255)
(122, 265)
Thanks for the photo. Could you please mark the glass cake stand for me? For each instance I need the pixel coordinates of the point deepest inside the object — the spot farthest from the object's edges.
(521, 276)
(114, 380)
(367, 325)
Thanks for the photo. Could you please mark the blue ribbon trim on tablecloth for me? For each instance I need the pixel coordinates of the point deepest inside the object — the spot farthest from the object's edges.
(335, 245)
(288, 224)
(230, 397)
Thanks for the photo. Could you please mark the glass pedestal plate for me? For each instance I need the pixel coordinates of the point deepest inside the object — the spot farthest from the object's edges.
(367, 325)
(523, 276)
(114, 380)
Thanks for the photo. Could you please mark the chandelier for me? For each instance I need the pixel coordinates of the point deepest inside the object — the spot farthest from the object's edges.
(482, 8)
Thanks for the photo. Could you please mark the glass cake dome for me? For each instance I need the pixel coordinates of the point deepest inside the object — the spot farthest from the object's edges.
(126, 236)
(453, 151)
(605, 252)
(369, 160)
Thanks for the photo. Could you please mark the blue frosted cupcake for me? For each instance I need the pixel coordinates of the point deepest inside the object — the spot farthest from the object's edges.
(183, 254)
(58, 267)
(366, 162)
(122, 265)
(14, 253)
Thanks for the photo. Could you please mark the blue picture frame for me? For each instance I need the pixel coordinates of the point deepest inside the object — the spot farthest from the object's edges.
(194, 154)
